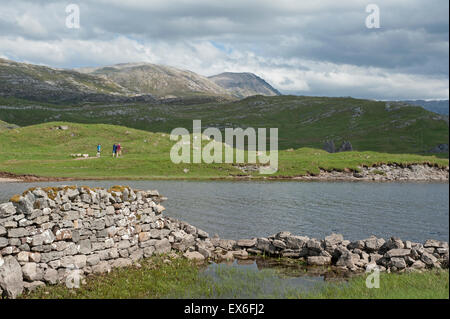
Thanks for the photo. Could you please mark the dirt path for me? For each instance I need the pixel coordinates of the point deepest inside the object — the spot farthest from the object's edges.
(6, 177)
(8, 180)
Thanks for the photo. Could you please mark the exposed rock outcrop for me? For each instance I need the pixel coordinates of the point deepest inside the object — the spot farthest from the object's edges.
(346, 146)
(441, 148)
(329, 146)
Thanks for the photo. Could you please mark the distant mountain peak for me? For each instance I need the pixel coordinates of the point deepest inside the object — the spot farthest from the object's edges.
(244, 84)
(158, 80)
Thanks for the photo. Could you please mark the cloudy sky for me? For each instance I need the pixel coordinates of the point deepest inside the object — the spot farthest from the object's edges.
(302, 47)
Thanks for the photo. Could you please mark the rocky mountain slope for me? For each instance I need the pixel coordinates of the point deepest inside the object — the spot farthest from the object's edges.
(244, 84)
(128, 82)
(44, 84)
(159, 80)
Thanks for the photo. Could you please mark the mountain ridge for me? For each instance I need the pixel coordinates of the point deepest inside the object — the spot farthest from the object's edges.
(124, 82)
(244, 84)
(46, 84)
(159, 80)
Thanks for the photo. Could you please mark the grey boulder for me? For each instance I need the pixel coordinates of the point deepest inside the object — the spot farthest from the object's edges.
(11, 279)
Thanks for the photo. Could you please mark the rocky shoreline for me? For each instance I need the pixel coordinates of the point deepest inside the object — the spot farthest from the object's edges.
(380, 173)
(48, 234)
(385, 173)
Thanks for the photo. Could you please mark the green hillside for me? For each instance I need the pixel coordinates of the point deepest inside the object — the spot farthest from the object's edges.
(302, 121)
(46, 150)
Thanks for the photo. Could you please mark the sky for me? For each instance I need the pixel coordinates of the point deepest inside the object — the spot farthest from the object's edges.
(317, 48)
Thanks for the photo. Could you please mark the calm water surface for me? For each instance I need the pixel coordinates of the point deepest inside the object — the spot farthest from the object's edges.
(411, 211)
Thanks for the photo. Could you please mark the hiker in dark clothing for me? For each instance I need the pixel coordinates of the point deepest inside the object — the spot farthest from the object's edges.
(114, 150)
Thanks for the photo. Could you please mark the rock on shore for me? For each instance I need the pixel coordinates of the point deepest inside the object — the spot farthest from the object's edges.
(386, 173)
(61, 234)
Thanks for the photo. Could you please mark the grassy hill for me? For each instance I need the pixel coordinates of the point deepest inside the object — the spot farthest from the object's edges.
(45, 150)
(302, 121)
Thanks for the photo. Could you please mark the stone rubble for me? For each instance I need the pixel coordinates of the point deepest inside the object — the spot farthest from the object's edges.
(48, 234)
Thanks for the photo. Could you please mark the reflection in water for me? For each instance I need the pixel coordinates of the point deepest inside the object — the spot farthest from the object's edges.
(269, 278)
(286, 267)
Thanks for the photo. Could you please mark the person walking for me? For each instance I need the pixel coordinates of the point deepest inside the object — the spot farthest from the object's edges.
(99, 149)
(119, 150)
(114, 150)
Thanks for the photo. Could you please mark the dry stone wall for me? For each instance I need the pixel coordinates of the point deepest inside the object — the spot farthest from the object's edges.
(45, 234)
(49, 234)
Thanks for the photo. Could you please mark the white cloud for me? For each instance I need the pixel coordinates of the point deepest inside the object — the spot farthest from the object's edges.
(31, 25)
(316, 48)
